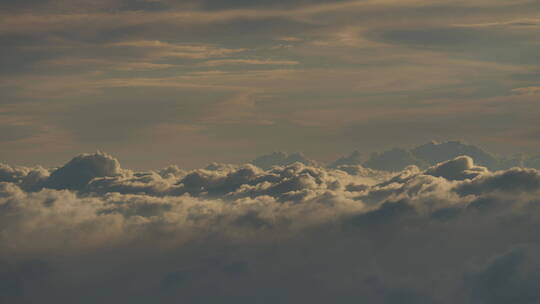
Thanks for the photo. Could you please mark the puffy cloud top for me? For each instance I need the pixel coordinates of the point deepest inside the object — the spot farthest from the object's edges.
(434, 152)
(292, 233)
(82, 169)
(459, 168)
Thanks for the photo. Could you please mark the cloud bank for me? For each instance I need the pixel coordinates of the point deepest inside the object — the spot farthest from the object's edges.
(92, 231)
(432, 153)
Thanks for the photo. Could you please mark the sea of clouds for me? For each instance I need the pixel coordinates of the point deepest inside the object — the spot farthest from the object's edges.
(94, 232)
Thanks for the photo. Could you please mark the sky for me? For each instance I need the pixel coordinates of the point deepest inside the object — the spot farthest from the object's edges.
(301, 151)
(158, 82)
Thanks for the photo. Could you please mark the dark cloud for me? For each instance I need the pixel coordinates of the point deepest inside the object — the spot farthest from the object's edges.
(27, 178)
(16, 280)
(78, 172)
(515, 180)
(509, 278)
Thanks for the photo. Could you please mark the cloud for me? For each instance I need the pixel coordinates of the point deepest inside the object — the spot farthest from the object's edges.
(437, 223)
(104, 64)
(158, 49)
(527, 90)
(458, 168)
(281, 159)
(355, 158)
(515, 180)
(392, 160)
(433, 153)
(246, 233)
(506, 278)
(26, 178)
(519, 23)
(533, 162)
(78, 172)
(248, 61)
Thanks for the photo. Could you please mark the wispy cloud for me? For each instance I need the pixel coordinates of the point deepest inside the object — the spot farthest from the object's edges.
(192, 51)
(527, 90)
(315, 67)
(519, 23)
(220, 62)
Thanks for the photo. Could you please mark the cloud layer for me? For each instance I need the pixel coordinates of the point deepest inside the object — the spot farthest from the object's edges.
(92, 231)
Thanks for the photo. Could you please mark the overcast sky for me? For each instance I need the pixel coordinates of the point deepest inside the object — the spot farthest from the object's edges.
(179, 84)
(188, 82)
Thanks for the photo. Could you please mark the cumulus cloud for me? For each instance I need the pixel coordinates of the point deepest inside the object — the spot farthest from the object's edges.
(452, 233)
(26, 178)
(82, 169)
(459, 168)
(515, 180)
